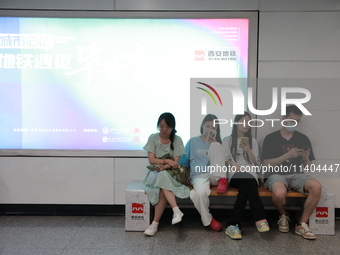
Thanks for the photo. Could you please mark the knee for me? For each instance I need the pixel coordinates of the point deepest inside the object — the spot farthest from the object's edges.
(199, 193)
(214, 146)
(279, 194)
(161, 193)
(314, 187)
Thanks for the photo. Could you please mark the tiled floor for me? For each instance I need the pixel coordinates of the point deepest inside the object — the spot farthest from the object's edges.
(106, 235)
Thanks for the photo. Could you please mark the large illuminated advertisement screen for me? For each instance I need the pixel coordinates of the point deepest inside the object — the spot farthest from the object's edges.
(98, 85)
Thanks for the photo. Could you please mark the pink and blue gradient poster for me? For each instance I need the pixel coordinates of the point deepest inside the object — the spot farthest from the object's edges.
(100, 84)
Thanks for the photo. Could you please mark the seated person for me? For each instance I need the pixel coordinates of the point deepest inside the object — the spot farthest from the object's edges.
(160, 187)
(242, 150)
(201, 152)
(291, 150)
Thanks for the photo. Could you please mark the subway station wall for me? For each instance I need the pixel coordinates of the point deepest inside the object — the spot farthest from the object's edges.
(297, 40)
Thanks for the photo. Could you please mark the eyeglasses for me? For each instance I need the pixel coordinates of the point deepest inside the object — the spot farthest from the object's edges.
(164, 128)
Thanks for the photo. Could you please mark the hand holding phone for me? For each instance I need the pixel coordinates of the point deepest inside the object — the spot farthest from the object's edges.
(212, 134)
(244, 140)
(305, 153)
(156, 167)
(306, 148)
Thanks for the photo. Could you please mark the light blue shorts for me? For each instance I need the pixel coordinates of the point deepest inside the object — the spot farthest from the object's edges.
(291, 181)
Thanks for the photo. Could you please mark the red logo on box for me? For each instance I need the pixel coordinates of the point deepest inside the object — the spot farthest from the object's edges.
(137, 208)
(322, 212)
(199, 55)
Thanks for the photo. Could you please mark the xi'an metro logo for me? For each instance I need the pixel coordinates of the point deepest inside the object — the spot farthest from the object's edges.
(199, 55)
(137, 208)
(321, 212)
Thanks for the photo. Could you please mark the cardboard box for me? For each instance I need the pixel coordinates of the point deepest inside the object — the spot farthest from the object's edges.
(137, 207)
(322, 219)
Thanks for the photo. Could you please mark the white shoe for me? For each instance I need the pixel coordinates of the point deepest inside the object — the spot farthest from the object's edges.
(283, 223)
(151, 230)
(303, 230)
(177, 217)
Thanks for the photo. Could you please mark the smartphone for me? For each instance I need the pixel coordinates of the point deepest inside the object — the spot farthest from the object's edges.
(244, 140)
(212, 134)
(306, 148)
(156, 167)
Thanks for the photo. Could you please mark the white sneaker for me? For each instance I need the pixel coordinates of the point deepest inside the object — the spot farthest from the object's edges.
(283, 223)
(177, 217)
(303, 230)
(151, 230)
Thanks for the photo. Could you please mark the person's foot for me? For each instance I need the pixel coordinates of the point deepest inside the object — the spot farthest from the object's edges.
(284, 223)
(303, 230)
(215, 225)
(222, 186)
(177, 217)
(233, 232)
(262, 225)
(151, 230)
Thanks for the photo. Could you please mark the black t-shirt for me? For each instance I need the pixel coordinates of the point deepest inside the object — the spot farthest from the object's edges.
(275, 145)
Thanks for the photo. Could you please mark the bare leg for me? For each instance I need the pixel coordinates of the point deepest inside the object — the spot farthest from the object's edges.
(160, 206)
(170, 197)
(313, 187)
(279, 191)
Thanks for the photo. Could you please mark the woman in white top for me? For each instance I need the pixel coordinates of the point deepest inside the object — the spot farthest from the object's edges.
(242, 154)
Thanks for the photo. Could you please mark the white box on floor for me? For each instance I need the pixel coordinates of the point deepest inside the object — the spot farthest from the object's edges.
(137, 207)
(321, 221)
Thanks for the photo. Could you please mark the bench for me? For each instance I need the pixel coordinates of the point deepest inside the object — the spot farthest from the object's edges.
(263, 192)
(295, 199)
(138, 208)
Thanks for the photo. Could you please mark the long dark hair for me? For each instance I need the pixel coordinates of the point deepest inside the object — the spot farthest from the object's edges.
(171, 122)
(211, 117)
(233, 140)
